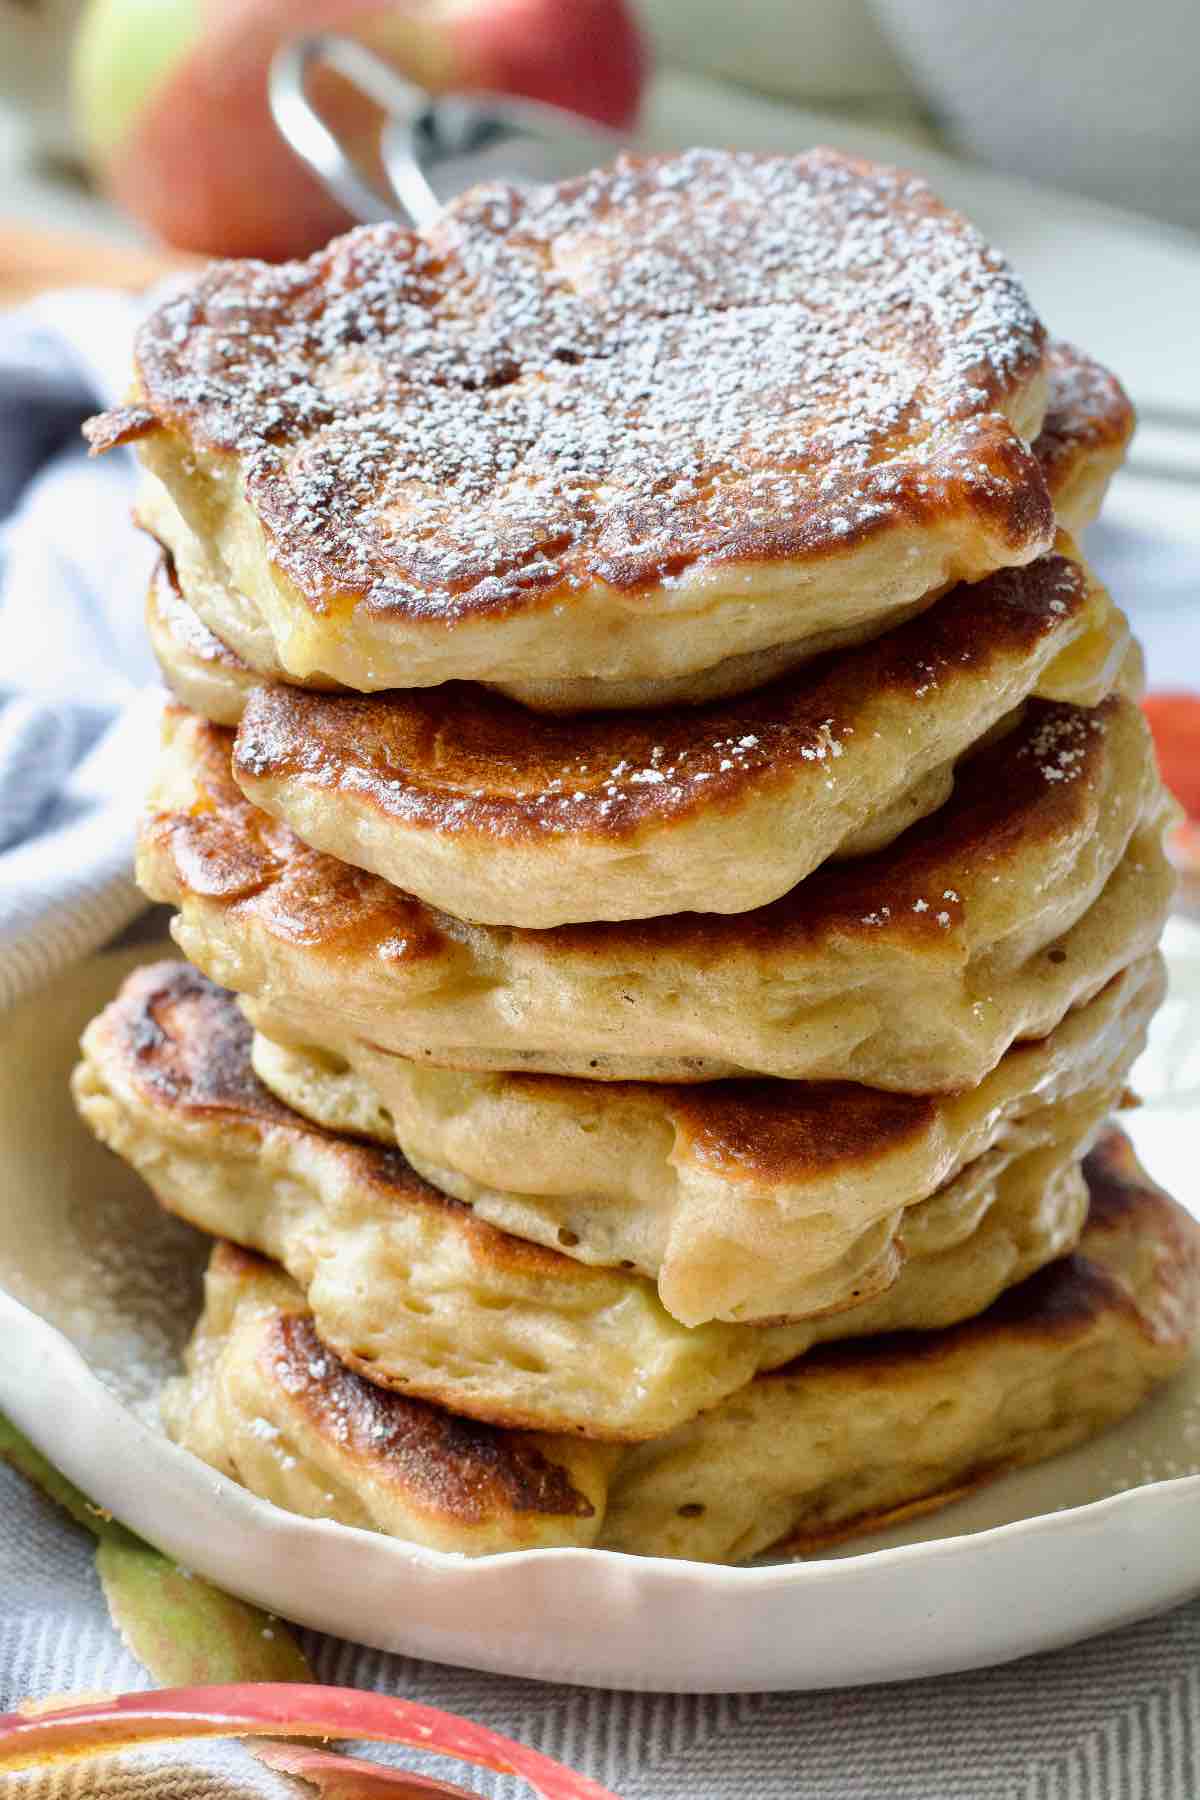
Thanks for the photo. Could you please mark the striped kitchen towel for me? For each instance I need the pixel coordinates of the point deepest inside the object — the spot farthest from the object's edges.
(78, 697)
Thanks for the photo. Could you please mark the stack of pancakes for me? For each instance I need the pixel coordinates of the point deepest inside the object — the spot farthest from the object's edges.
(666, 805)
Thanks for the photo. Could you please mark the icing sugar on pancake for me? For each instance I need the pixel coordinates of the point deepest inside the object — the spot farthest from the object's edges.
(1087, 426)
(683, 410)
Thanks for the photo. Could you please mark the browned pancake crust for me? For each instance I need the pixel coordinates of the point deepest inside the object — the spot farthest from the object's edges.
(785, 1130)
(1066, 1297)
(706, 358)
(460, 760)
(1023, 789)
(454, 1468)
(1088, 413)
(120, 425)
(186, 1047)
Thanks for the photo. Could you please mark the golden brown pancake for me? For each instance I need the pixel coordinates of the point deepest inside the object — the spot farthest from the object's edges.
(498, 816)
(1087, 426)
(846, 1441)
(422, 1293)
(738, 1199)
(741, 1199)
(266, 1403)
(200, 670)
(1085, 432)
(578, 440)
(912, 969)
(859, 1436)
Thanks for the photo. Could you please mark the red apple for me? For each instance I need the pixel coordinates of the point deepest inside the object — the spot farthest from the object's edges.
(172, 97)
(1175, 722)
(52, 1731)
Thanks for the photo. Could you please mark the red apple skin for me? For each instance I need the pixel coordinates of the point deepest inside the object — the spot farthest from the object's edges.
(203, 164)
(204, 167)
(1175, 723)
(583, 54)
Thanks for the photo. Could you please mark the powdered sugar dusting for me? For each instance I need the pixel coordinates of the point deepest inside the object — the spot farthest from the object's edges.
(702, 356)
(1060, 744)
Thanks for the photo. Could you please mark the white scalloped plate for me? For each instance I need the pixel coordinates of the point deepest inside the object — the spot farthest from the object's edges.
(101, 1290)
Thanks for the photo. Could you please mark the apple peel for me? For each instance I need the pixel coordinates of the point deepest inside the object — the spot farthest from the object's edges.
(1174, 716)
(184, 1630)
(19, 1453)
(180, 1627)
(189, 1633)
(272, 1709)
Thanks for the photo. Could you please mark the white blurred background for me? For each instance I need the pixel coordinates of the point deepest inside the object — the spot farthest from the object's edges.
(1097, 96)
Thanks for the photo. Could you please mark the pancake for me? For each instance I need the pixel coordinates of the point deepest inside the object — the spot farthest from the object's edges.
(576, 440)
(198, 667)
(913, 969)
(849, 1440)
(497, 816)
(1085, 433)
(419, 1292)
(740, 1199)
(264, 1402)
(1087, 426)
(857, 1438)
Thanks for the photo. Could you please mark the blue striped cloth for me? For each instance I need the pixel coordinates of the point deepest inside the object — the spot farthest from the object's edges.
(78, 697)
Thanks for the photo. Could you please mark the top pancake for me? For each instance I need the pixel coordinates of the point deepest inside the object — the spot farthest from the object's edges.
(1082, 442)
(680, 411)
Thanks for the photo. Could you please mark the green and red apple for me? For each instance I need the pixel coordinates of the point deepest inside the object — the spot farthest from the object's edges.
(171, 97)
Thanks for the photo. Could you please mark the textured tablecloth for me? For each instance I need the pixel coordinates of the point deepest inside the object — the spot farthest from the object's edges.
(1116, 1717)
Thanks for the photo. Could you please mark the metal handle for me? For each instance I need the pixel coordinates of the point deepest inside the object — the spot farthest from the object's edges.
(432, 145)
(315, 144)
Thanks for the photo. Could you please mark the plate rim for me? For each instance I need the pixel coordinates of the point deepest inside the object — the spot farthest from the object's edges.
(762, 1574)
